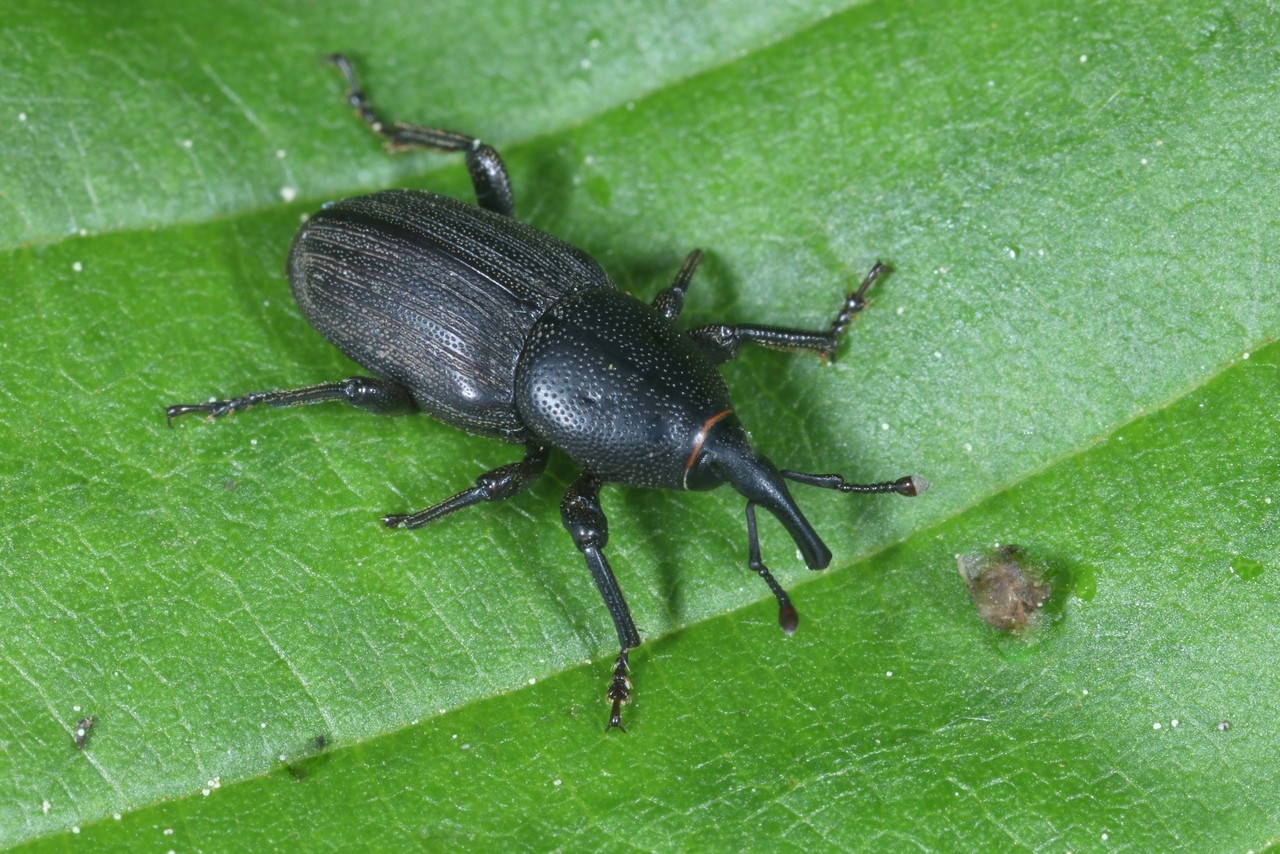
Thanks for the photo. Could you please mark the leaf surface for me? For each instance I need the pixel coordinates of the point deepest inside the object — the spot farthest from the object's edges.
(1076, 347)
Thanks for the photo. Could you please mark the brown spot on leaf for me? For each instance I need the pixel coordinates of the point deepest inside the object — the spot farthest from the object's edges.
(1007, 588)
(82, 731)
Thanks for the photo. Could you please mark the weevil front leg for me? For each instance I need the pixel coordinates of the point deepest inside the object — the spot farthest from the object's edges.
(488, 172)
(671, 299)
(788, 618)
(372, 395)
(721, 342)
(585, 521)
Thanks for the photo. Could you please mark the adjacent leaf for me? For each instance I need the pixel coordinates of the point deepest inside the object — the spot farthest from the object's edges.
(1083, 256)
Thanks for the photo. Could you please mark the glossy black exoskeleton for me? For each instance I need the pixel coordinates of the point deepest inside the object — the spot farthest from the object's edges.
(496, 328)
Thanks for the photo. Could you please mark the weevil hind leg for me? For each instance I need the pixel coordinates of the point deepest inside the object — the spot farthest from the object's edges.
(372, 395)
(488, 173)
(497, 485)
(584, 519)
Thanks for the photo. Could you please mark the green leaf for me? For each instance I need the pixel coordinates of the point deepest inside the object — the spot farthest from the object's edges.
(1077, 347)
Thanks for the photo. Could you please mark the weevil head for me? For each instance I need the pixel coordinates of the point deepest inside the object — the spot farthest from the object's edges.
(726, 456)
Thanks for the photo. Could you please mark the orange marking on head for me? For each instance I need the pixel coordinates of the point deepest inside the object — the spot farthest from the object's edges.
(701, 438)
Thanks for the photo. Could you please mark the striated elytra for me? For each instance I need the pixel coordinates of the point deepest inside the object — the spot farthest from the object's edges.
(494, 327)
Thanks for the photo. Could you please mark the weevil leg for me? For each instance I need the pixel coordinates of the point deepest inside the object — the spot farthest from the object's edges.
(721, 342)
(585, 521)
(496, 485)
(911, 485)
(788, 619)
(372, 395)
(671, 299)
(488, 172)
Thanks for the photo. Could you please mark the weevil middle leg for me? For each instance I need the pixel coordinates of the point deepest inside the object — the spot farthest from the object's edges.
(488, 173)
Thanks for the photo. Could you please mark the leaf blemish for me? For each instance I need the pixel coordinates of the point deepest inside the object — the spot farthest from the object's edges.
(1006, 588)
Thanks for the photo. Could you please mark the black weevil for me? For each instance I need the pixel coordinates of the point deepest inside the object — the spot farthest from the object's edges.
(494, 327)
